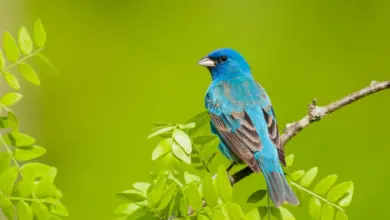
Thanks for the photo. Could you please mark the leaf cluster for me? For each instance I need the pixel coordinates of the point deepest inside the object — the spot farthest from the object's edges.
(185, 188)
(27, 188)
(327, 200)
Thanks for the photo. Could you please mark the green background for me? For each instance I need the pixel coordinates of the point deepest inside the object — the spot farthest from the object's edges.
(124, 64)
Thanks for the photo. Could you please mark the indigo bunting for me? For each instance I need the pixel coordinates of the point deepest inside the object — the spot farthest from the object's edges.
(244, 120)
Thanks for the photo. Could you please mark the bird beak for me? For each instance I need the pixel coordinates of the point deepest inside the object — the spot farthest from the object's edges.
(207, 62)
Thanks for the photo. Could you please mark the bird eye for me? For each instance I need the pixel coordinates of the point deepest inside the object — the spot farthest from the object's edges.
(223, 58)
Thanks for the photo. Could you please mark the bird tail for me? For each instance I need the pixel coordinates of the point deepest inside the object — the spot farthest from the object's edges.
(278, 189)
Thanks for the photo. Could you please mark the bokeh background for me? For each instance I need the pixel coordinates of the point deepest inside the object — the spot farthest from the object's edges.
(124, 64)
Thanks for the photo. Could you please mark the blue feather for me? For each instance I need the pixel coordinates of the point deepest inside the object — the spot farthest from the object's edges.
(243, 118)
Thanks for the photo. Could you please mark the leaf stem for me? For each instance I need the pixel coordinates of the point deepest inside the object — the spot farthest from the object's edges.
(31, 200)
(154, 209)
(200, 158)
(22, 60)
(2, 142)
(317, 196)
(269, 207)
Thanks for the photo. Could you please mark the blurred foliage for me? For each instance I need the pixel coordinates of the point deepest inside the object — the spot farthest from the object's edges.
(130, 63)
(184, 180)
(27, 189)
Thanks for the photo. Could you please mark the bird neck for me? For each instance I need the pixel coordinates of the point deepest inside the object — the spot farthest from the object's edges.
(218, 75)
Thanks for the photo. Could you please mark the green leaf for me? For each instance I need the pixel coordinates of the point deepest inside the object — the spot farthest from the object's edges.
(204, 139)
(327, 212)
(341, 216)
(203, 217)
(263, 210)
(3, 123)
(59, 194)
(126, 209)
(38, 169)
(221, 214)
(174, 207)
(45, 187)
(223, 184)
(5, 161)
(343, 193)
(29, 73)
(10, 98)
(309, 177)
(11, 49)
(186, 126)
(6, 207)
(290, 160)
(132, 195)
(325, 184)
(169, 162)
(194, 199)
(195, 159)
(183, 206)
(315, 208)
(163, 147)
(142, 187)
(257, 196)
(168, 196)
(2, 61)
(45, 60)
(207, 210)
(40, 211)
(24, 211)
(160, 131)
(189, 178)
(11, 80)
(59, 209)
(253, 214)
(209, 191)
(235, 212)
(180, 154)
(183, 140)
(29, 152)
(25, 186)
(286, 215)
(20, 139)
(275, 212)
(39, 33)
(7, 180)
(25, 42)
(158, 189)
(54, 217)
(199, 117)
(13, 122)
(296, 175)
(212, 157)
(162, 124)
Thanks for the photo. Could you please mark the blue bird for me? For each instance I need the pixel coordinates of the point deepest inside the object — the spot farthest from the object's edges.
(244, 120)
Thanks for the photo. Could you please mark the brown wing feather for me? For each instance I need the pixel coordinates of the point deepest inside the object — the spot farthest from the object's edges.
(242, 141)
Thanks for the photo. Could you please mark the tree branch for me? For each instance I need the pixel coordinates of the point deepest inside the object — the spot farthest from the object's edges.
(316, 113)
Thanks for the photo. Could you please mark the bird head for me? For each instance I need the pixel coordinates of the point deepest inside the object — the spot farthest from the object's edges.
(225, 63)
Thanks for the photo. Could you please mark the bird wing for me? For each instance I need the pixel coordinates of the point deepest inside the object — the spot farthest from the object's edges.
(232, 122)
(243, 140)
(270, 118)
